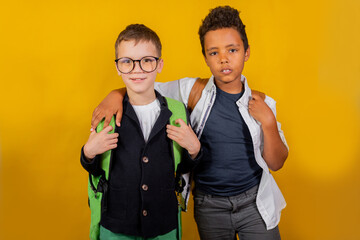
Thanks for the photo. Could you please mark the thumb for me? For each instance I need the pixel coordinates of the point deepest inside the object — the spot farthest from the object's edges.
(118, 117)
(180, 122)
(92, 133)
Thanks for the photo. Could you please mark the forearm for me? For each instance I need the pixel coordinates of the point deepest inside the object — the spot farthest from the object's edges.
(275, 152)
(169, 89)
(119, 93)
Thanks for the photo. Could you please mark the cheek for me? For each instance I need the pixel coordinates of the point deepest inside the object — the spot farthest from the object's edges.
(211, 64)
(124, 79)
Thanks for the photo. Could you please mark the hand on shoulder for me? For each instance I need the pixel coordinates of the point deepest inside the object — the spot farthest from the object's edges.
(260, 111)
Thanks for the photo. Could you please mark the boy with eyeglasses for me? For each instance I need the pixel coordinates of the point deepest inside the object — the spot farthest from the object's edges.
(235, 193)
(138, 197)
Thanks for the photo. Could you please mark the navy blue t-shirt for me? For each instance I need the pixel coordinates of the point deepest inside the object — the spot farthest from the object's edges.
(228, 166)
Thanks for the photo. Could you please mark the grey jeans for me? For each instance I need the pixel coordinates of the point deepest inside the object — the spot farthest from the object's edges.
(221, 218)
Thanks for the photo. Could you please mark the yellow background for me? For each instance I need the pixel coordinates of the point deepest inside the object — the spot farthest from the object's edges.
(57, 64)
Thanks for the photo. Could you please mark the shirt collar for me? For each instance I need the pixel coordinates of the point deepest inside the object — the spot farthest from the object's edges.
(244, 100)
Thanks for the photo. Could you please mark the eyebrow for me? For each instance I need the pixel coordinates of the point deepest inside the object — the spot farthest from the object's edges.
(230, 45)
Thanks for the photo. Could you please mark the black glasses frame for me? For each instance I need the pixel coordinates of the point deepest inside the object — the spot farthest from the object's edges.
(139, 61)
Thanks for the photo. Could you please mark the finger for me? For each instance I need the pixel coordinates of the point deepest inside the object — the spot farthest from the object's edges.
(107, 120)
(172, 132)
(95, 112)
(92, 133)
(180, 122)
(173, 137)
(95, 120)
(176, 130)
(113, 141)
(250, 104)
(111, 146)
(114, 135)
(172, 127)
(257, 97)
(111, 136)
(107, 129)
(118, 117)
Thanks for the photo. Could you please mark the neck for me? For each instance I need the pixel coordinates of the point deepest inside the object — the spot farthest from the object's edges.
(232, 87)
(141, 98)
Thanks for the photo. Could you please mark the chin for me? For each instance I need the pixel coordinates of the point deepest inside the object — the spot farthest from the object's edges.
(224, 79)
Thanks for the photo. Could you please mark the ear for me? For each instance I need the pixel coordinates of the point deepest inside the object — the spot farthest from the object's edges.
(160, 65)
(247, 54)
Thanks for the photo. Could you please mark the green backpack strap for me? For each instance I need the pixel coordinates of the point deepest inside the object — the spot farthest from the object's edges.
(105, 157)
(95, 196)
(178, 111)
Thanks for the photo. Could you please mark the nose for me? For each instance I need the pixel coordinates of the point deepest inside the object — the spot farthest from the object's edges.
(223, 58)
(137, 67)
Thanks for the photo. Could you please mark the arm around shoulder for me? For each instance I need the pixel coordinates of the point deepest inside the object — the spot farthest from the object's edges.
(112, 104)
(178, 89)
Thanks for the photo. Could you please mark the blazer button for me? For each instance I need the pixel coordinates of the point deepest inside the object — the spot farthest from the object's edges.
(144, 213)
(145, 159)
(145, 187)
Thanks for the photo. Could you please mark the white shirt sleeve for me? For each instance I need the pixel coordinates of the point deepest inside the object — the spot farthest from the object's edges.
(178, 89)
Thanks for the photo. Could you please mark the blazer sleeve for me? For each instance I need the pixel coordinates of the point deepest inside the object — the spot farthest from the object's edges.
(93, 166)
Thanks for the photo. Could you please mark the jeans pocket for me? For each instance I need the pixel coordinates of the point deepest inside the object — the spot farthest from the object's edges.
(200, 199)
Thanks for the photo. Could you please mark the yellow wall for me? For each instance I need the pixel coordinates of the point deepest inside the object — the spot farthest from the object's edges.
(56, 64)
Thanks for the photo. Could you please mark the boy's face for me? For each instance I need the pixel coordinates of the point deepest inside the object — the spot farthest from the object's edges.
(225, 54)
(138, 81)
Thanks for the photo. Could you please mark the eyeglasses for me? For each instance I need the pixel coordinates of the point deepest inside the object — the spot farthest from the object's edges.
(147, 64)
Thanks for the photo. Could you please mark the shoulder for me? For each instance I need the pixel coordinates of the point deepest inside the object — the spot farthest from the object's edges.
(187, 83)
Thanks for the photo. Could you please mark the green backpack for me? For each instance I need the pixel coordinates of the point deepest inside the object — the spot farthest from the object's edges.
(97, 185)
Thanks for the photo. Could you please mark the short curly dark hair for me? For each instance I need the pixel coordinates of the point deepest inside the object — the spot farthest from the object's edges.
(222, 17)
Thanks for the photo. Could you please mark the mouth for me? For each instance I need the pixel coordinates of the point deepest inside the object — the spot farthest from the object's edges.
(226, 71)
(137, 79)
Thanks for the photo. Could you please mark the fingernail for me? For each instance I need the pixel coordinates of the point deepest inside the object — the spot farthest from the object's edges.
(91, 129)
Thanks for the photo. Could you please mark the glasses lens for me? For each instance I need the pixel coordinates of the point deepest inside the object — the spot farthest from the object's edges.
(125, 65)
(148, 64)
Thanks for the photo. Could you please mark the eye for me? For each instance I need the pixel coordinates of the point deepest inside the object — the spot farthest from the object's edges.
(213, 53)
(125, 60)
(148, 60)
(233, 50)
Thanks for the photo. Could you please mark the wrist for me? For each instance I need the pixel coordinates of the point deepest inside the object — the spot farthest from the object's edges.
(268, 122)
(194, 150)
(88, 155)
